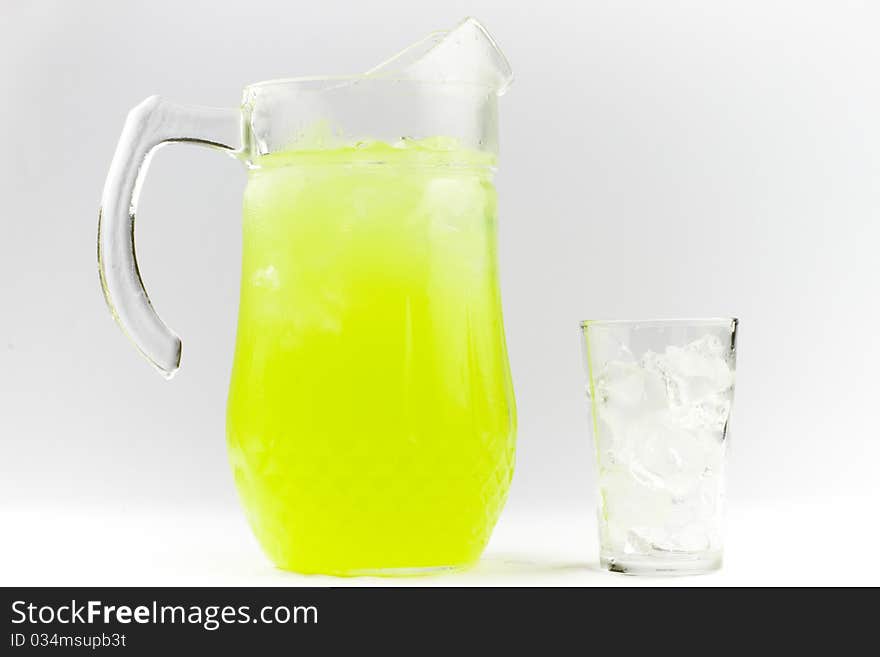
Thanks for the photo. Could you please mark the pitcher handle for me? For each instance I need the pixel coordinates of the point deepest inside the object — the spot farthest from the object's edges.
(151, 124)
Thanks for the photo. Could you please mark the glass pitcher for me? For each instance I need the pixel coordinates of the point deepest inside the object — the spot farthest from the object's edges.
(371, 418)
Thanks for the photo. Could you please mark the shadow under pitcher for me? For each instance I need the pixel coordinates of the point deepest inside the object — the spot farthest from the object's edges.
(371, 418)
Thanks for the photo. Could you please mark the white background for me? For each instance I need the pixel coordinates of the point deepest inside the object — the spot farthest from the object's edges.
(658, 159)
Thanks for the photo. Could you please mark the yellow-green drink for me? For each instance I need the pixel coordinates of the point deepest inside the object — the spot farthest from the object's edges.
(371, 417)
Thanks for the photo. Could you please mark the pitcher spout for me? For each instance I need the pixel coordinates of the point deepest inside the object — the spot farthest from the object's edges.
(466, 53)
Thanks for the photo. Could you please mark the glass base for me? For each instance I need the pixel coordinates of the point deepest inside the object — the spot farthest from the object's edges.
(416, 571)
(662, 565)
(402, 572)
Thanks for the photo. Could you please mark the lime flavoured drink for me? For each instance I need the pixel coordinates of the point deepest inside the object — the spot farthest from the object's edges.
(371, 417)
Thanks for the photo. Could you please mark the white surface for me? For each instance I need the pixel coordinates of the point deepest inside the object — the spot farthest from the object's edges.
(828, 543)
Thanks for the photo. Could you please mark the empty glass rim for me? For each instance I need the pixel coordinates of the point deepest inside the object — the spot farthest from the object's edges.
(675, 321)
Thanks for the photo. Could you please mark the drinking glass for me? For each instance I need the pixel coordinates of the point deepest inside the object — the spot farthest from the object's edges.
(660, 394)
